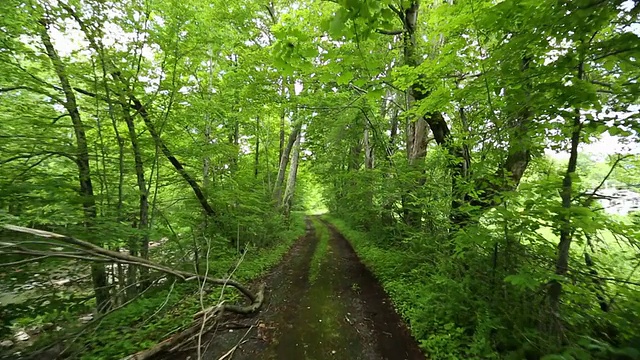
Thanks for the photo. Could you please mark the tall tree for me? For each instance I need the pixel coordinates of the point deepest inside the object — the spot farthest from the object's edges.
(98, 274)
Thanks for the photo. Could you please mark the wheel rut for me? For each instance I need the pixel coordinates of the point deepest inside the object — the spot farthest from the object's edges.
(322, 303)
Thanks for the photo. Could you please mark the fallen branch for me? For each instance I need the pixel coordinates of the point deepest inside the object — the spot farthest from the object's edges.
(229, 353)
(91, 252)
(204, 321)
(178, 340)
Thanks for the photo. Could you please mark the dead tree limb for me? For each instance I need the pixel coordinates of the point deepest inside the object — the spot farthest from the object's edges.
(184, 337)
(91, 252)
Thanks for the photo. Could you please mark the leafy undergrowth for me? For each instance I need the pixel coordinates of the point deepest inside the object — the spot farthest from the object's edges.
(452, 319)
(169, 309)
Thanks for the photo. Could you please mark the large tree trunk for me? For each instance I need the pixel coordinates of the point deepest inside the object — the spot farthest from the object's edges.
(98, 273)
(293, 173)
(284, 161)
(416, 129)
(368, 150)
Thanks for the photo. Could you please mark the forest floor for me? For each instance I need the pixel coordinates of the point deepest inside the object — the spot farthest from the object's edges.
(321, 303)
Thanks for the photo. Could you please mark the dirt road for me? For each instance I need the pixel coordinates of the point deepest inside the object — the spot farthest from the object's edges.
(322, 303)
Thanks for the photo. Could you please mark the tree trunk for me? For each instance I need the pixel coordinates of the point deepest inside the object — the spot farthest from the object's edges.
(98, 273)
(566, 228)
(234, 140)
(141, 246)
(284, 161)
(416, 130)
(206, 161)
(368, 150)
(282, 118)
(293, 173)
(137, 105)
(257, 155)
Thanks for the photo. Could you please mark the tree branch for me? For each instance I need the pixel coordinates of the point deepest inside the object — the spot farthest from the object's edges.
(97, 253)
(397, 11)
(389, 32)
(593, 194)
(32, 89)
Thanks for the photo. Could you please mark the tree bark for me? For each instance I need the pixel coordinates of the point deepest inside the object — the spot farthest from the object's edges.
(257, 155)
(416, 129)
(368, 150)
(284, 161)
(98, 273)
(141, 246)
(293, 173)
(566, 227)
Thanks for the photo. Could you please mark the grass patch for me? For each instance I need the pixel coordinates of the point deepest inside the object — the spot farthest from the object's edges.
(321, 249)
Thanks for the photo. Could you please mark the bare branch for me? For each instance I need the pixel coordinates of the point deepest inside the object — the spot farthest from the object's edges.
(591, 196)
(31, 89)
(97, 253)
(22, 262)
(397, 11)
(390, 32)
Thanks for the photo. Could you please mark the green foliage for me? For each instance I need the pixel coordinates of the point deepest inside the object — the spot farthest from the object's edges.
(320, 253)
(425, 126)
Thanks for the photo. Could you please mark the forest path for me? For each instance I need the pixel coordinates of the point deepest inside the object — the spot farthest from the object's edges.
(322, 303)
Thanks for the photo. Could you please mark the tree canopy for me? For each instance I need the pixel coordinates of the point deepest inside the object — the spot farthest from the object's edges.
(452, 134)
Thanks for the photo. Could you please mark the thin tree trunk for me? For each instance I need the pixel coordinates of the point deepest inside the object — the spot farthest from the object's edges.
(234, 140)
(137, 105)
(281, 151)
(206, 166)
(566, 228)
(282, 122)
(388, 214)
(98, 273)
(141, 246)
(257, 155)
(368, 150)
